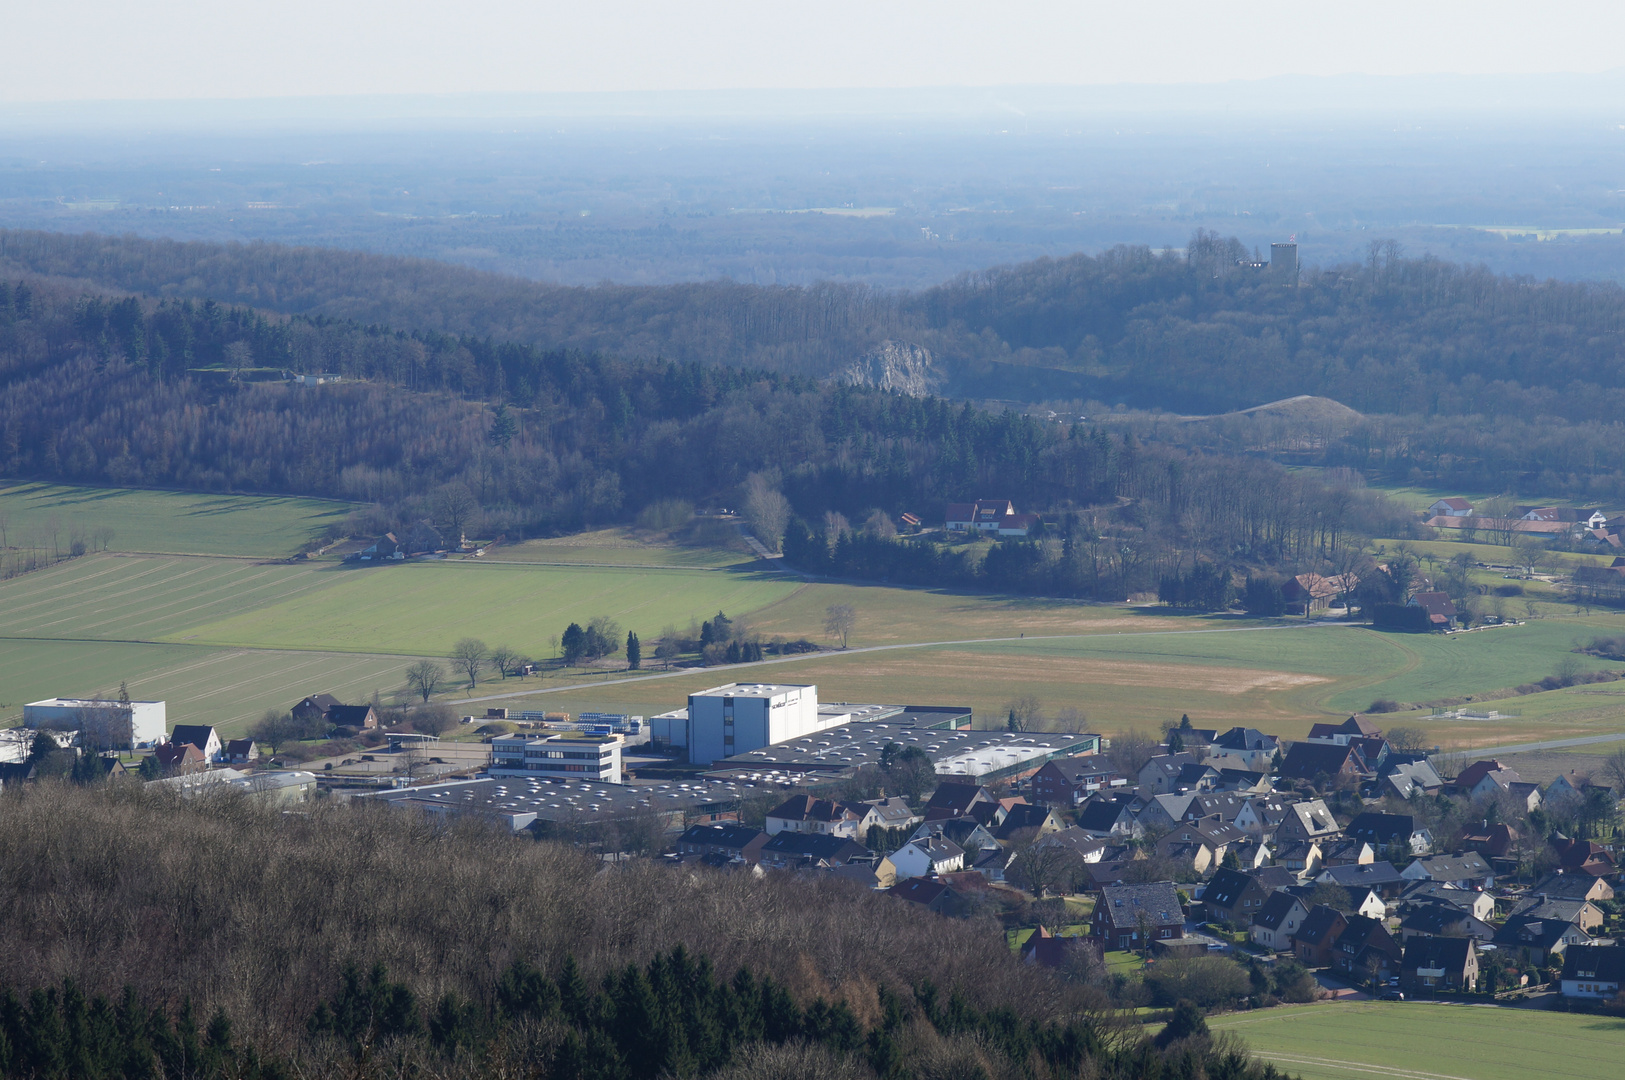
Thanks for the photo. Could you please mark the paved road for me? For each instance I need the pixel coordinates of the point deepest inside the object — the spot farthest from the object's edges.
(1550, 744)
(799, 657)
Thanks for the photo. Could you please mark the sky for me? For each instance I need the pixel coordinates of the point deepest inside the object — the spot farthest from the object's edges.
(205, 49)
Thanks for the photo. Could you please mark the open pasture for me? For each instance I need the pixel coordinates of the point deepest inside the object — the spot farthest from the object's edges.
(626, 547)
(230, 688)
(1421, 1041)
(424, 608)
(145, 597)
(182, 522)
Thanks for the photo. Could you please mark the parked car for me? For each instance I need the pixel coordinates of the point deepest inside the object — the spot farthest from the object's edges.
(1393, 995)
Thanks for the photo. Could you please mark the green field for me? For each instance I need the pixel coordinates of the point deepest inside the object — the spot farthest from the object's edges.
(166, 521)
(1419, 1041)
(229, 688)
(625, 547)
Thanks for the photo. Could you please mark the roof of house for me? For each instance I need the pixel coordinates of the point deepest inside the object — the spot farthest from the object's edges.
(888, 810)
(1561, 886)
(937, 848)
(1101, 814)
(918, 890)
(810, 808)
(1536, 906)
(1454, 867)
(1438, 890)
(320, 702)
(1450, 953)
(958, 796)
(1470, 776)
(1158, 901)
(1224, 889)
(181, 753)
(1321, 924)
(348, 715)
(1438, 605)
(1022, 816)
(1307, 760)
(1366, 875)
(1604, 963)
(1455, 502)
(814, 846)
(1432, 916)
(722, 834)
(1355, 726)
(1176, 804)
(1536, 933)
(1246, 738)
(1275, 910)
(1314, 816)
(240, 747)
(1360, 930)
(196, 734)
(1381, 828)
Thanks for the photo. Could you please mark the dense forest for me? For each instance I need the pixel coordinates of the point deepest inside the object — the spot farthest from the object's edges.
(1192, 332)
(363, 942)
(130, 390)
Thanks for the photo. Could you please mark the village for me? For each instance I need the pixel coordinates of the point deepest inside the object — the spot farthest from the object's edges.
(1336, 865)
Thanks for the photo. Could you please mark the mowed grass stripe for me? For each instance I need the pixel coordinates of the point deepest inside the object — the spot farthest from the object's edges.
(116, 597)
(423, 608)
(1339, 1041)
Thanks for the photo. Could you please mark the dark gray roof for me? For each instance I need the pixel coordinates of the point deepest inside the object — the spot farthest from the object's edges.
(1604, 963)
(1158, 901)
(1367, 875)
(196, 734)
(1382, 828)
(721, 835)
(1245, 738)
(1225, 888)
(814, 846)
(1319, 924)
(1275, 910)
(1101, 815)
(1561, 886)
(1439, 952)
(1454, 867)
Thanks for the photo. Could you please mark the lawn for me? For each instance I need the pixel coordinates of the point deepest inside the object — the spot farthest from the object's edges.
(1418, 1041)
(623, 547)
(166, 521)
(229, 688)
(424, 608)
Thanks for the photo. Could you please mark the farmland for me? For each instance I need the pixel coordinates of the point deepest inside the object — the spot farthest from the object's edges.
(180, 522)
(1417, 1041)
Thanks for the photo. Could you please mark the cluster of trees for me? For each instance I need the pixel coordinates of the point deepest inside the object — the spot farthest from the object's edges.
(557, 977)
(601, 637)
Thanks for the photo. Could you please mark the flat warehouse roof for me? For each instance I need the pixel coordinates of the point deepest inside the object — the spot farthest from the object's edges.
(753, 689)
(85, 703)
(572, 800)
(860, 743)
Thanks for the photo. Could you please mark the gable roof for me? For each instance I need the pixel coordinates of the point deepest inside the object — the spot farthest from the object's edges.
(1245, 738)
(937, 848)
(1314, 816)
(240, 747)
(196, 734)
(1561, 886)
(918, 890)
(1379, 828)
(1101, 814)
(814, 846)
(1224, 889)
(1320, 925)
(958, 796)
(1307, 760)
(722, 834)
(1604, 963)
(1450, 953)
(1438, 605)
(1454, 867)
(319, 702)
(810, 808)
(1360, 930)
(1158, 901)
(1275, 910)
(349, 715)
(1363, 875)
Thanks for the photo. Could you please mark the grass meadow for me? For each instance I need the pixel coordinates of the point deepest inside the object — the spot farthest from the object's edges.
(1419, 1041)
(181, 522)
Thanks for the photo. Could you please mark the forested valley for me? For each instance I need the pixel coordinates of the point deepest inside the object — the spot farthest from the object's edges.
(1192, 332)
(134, 391)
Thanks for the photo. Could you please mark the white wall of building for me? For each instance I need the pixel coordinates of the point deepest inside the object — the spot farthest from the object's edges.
(556, 758)
(740, 717)
(145, 722)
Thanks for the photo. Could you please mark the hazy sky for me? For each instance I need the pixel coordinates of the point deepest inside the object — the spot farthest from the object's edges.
(208, 49)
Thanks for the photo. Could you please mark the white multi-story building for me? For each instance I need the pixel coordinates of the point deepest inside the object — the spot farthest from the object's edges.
(568, 755)
(741, 717)
(115, 724)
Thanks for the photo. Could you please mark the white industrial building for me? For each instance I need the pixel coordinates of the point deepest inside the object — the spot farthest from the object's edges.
(117, 724)
(570, 755)
(740, 717)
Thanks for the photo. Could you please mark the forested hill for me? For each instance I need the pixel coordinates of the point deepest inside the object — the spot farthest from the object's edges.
(1186, 332)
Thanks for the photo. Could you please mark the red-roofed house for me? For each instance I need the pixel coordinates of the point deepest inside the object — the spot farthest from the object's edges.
(1440, 608)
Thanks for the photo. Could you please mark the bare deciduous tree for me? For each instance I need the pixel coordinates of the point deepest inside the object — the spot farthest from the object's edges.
(425, 677)
(767, 510)
(503, 659)
(455, 506)
(469, 654)
(839, 621)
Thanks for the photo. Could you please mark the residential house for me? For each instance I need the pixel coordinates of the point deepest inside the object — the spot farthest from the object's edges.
(240, 752)
(789, 850)
(1165, 811)
(1436, 918)
(1542, 938)
(1451, 507)
(1348, 851)
(933, 895)
(1229, 808)
(954, 798)
(1441, 610)
(1355, 728)
(1046, 950)
(1307, 820)
(1469, 871)
(1364, 900)
(1411, 778)
(314, 705)
(1380, 876)
(1573, 784)
(1251, 853)
(1564, 886)
(1276, 922)
(1244, 748)
(1317, 935)
(181, 757)
(1160, 775)
(921, 858)
(995, 516)
(1235, 896)
(1242, 782)
(1582, 913)
(360, 717)
(892, 813)
(732, 841)
(1365, 951)
(1323, 763)
(1439, 963)
(1480, 905)
(971, 835)
(1308, 593)
(1391, 831)
(1303, 858)
(1110, 817)
(1581, 856)
(804, 813)
(1125, 912)
(1593, 971)
(1491, 841)
(1200, 844)
(1069, 781)
(1468, 779)
(1197, 777)
(201, 736)
(1024, 821)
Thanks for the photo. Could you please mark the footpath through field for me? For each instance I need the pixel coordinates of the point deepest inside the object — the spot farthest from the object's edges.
(676, 673)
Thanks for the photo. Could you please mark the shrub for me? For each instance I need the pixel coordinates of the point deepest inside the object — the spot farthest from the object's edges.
(1207, 981)
(1383, 705)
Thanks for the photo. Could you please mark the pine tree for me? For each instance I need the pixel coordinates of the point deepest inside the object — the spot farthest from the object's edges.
(634, 651)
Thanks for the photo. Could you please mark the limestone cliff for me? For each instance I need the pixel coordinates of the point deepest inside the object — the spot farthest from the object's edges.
(895, 365)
